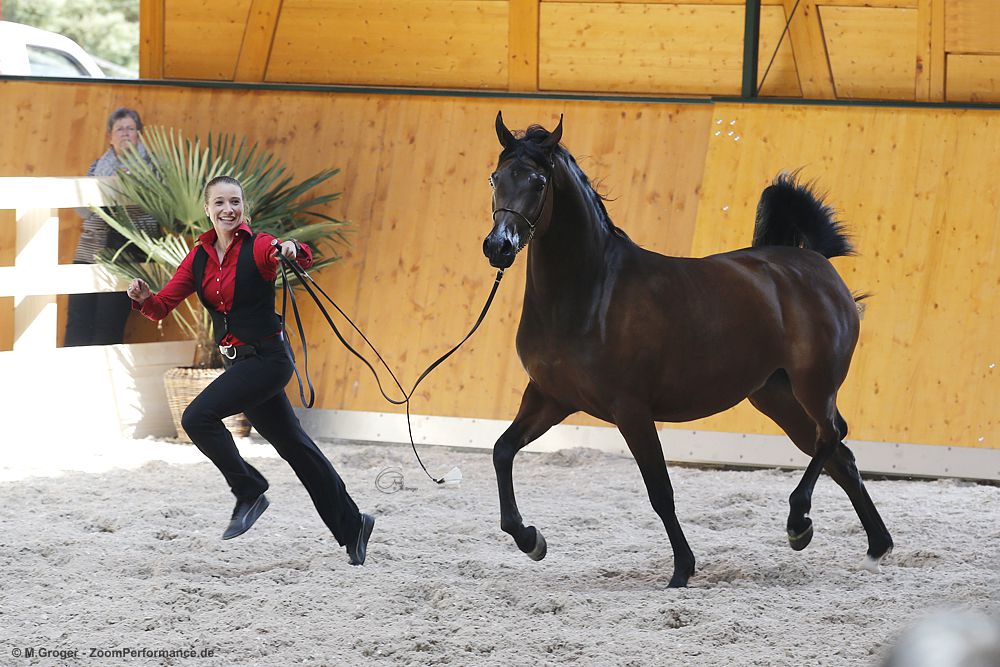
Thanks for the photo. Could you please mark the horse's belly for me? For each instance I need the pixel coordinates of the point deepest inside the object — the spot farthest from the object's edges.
(690, 408)
(680, 397)
(671, 394)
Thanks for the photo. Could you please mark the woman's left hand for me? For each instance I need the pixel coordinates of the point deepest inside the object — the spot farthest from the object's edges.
(287, 249)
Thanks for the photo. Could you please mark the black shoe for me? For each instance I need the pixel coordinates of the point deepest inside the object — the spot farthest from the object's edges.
(245, 514)
(358, 550)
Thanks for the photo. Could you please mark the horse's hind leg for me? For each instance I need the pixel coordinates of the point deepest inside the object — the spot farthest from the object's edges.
(845, 472)
(639, 431)
(537, 414)
(775, 399)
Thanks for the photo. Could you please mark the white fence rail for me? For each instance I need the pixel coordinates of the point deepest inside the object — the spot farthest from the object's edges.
(87, 392)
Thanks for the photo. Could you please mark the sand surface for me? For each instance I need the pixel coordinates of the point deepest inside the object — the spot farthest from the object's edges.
(122, 551)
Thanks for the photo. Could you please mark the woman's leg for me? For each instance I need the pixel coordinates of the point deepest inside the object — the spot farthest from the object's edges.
(241, 387)
(276, 422)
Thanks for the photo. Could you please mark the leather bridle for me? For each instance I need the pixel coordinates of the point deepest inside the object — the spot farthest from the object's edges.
(531, 225)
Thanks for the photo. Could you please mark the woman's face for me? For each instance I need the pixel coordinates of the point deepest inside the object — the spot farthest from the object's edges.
(225, 207)
(123, 133)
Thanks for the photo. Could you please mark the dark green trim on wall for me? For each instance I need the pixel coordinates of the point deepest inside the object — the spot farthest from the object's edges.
(500, 94)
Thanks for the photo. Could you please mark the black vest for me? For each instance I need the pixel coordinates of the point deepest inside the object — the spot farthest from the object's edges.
(251, 316)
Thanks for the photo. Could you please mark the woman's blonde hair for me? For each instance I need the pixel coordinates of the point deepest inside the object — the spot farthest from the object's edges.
(229, 180)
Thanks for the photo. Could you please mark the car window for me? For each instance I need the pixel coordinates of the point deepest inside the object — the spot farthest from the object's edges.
(52, 62)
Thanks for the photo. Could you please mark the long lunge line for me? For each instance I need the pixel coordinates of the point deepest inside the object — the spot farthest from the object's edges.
(308, 283)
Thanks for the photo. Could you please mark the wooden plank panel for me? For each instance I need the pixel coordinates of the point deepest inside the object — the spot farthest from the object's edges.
(806, 34)
(910, 186)
(7, 237)
(973, 78)
(151, 38)
(255, 50)
(872, 51)
(784, 79)
(523, 56)
(202, 38)
(938, 72)
(971, 26)
(6, 323)
(650, 48)
(456, 43)
(924, 51)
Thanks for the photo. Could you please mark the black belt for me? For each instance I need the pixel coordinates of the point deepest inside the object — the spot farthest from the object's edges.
(233, 352)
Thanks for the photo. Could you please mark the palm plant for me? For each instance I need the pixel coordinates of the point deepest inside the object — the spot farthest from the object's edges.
(169, 187)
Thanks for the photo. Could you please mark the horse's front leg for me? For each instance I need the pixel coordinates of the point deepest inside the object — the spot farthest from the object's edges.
(639, 430)
(537, 414)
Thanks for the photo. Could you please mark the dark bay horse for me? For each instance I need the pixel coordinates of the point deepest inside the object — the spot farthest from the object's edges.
(633, 337)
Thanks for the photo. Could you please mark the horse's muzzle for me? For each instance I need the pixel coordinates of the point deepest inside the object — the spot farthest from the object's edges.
(500, 250)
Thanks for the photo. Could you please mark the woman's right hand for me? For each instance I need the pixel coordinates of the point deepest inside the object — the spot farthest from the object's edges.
(138, 291)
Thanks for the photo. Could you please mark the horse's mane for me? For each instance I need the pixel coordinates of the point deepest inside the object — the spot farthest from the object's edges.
(529, 146)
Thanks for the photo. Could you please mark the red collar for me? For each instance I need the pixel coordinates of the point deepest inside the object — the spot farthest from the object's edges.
(210, 237)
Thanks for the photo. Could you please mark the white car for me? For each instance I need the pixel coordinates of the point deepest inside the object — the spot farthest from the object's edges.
(27, 51)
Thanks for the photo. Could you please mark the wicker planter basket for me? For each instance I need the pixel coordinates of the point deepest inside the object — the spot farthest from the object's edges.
(183, 384)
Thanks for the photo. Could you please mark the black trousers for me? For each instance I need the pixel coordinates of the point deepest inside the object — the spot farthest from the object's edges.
(255, 386)
(96, 319)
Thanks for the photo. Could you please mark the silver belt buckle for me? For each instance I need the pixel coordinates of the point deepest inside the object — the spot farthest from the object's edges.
(225, 349)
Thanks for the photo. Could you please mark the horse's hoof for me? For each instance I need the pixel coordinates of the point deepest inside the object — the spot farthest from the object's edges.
(871, 563)
(801, 540)
(678, 581)
(541, 548)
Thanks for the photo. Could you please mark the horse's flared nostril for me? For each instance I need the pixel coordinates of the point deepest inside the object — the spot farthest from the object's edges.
(499, 250)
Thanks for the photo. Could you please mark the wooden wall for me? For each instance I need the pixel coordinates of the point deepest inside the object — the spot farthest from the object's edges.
(923, 50)
(915, 190)
(916, 186)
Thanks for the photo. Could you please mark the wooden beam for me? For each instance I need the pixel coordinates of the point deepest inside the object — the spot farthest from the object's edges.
(152, 15)
(938, 56)
(809, 46)
(255, 52)
(924, 52)
(522, 45)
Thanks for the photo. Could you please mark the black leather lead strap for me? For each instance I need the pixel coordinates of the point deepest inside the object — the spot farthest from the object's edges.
(308, 283)
(286, 295)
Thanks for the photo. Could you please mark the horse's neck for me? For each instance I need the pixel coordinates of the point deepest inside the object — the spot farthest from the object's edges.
(571, 256)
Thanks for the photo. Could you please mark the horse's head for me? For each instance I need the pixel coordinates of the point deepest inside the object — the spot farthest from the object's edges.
(522, 195)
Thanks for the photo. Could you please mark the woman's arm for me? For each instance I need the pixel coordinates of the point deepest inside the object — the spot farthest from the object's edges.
(179, 287)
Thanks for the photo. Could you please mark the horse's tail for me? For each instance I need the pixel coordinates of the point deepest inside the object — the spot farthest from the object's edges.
(790, 213)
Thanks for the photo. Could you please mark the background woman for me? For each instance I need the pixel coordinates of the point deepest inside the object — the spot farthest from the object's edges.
(99, 318)
(233, 272)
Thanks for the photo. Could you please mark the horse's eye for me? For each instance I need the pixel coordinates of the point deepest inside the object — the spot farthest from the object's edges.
(492, 183)
(538, 180)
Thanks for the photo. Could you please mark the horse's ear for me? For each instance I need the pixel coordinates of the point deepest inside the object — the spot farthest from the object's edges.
(503, 134)
(554, 136)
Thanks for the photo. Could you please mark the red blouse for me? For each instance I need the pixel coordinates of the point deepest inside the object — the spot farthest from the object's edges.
(219, 281)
